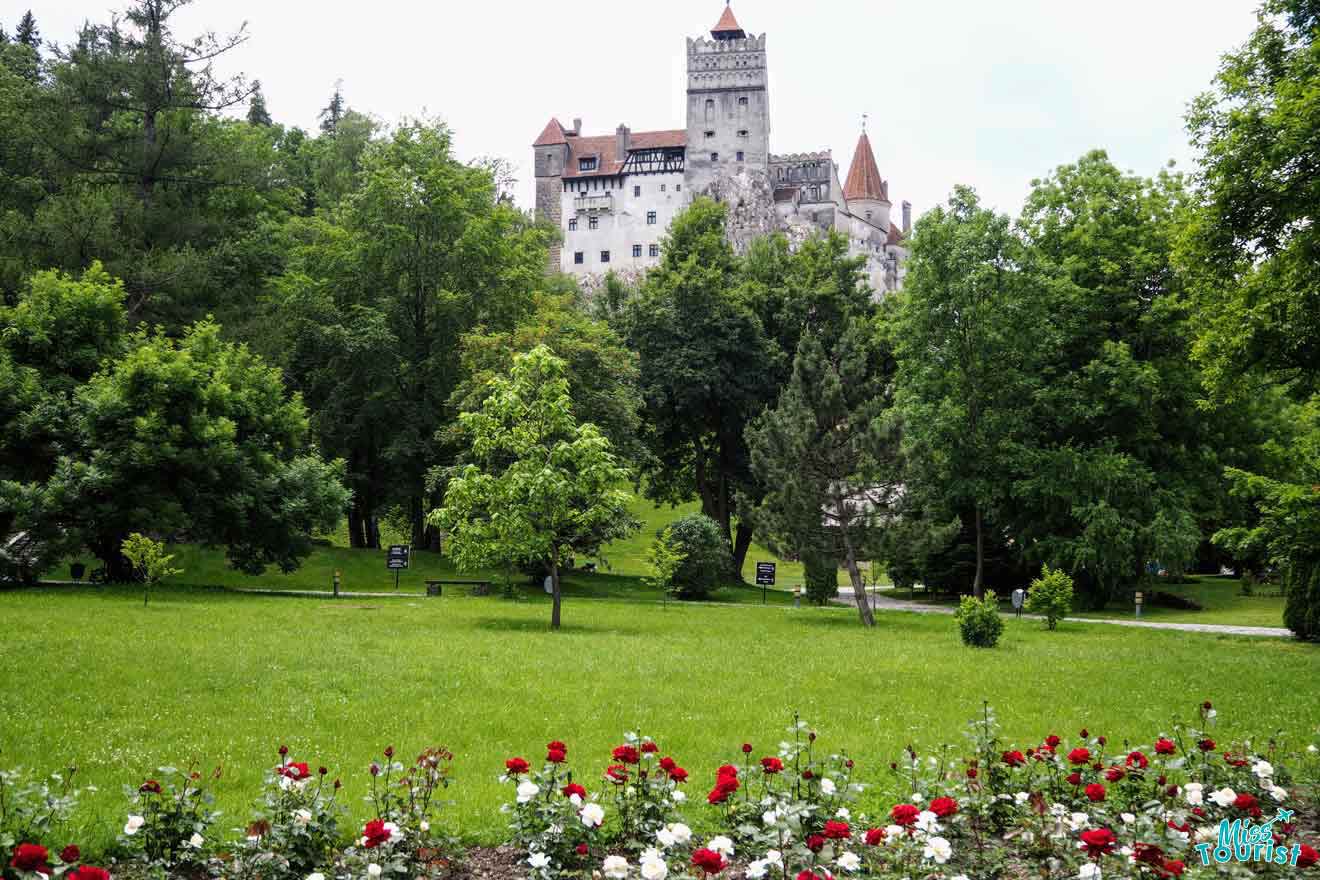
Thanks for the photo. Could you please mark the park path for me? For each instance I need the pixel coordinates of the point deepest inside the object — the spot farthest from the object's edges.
(887, 603)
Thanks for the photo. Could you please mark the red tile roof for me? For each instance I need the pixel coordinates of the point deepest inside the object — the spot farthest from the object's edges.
(552, 134)
(864, 181)
(896, 235)
(605, 149)
(727, 25)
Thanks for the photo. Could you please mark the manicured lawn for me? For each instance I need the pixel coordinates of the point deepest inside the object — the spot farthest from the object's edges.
(89, 676)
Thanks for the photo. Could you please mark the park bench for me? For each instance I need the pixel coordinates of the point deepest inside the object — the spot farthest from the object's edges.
(479, 588)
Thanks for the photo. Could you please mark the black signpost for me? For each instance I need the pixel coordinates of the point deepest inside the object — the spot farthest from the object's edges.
(396, 560)
(765, 577)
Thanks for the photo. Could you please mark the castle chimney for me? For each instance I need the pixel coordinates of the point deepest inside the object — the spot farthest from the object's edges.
(907, 217)
(621, 138)
(577, 125)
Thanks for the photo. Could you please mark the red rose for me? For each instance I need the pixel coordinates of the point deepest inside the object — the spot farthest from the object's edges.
(807, 774)
(555, 746)
(709, 861)
(1095, 791)
(808, 875)
(89, 872)
(971, 773)
(1185, 827)
(1102, 740)
(1052, 741)
(626, 754)
(1174, 868)
(1165, 746)
(151, 786)
(1137, 759)
(667, 764)
(815, 842)
(771, 765)
(70, 854)
(556, 756)
(836, 830)
(517, 765)
(574, 789)
(1308, 857)
(1148, 853)
(583, 849)
(1014, 759)
(1084, 733)
(1234, 760)
(747, 748)
(1098, 842)
(943, 806)
(293, 771)
(1206, 745)
(678, 774)
(1074, 778)
(1115, 773)
(875, 836)
(904, 814)
(1079, 756)
(375, 833)
(30, 857)
(616, 773)
(649, 748)
(726, 771)
(724, 787)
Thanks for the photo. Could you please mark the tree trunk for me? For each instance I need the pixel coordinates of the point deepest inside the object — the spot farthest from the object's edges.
(554, 592)
(850, 562)
(742, 541)
(978, 585)
(356, 534)
(417, 518)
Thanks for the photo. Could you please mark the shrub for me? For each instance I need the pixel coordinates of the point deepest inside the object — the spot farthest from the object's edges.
(821, 572)
(979, 622)
(1050, 595)
(706, 557)
(1301, 610)
(296, 828)
(168, 821)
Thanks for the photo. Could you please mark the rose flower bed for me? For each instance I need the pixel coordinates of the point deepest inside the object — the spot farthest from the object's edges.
(1063, 808)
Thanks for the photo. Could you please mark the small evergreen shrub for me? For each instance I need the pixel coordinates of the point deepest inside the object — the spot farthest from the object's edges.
(1050, 596)
(706, 558)
(821, 573)
(1301, 609)
(979, 622)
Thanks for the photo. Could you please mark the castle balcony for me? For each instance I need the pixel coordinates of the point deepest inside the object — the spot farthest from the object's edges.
(599, 203)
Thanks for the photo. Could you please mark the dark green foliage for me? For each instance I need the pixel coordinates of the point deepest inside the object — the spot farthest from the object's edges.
(979, 622)
(821, 576)
(1301, 611)
(705, 553)
(257, 113)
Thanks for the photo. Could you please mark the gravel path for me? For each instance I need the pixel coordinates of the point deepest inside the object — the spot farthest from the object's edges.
(887, 603)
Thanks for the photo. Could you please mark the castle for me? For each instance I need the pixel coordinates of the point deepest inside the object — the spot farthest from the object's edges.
(613, 196)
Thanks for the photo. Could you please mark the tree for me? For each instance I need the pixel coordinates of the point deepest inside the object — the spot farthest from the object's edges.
(707, 368)
(149, 561)
(962, 377)
(1050, 596)
(332, 113)
(705, 555)
(826, 461)
(540, 479)
(257, 113)
(27, 33)
(192, 436)
(663, 559)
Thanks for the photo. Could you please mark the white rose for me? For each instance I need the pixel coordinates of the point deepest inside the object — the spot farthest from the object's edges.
(1224, 797)
(1313, 748)
(892, 833)
(527, 790)
(758, 869)
(316, 875)
(373, 870)
(827, 786)
(770, 817)
(1089, 871)
(538, 860)
(575, 799)
(615, 867)
(1127, 818)
(196, 841)
(721, 845)
(677, 796)
(592, 815)
(842, 813)
(302, 817)
(849, 861)
(1192, 791)
(939, 849)
(133, 824)
(1021, 797)
(1262, 769)
(774, 857)
(654, 869)
(424, 825)
(926, 821)
(682, 833)
(1279, 793)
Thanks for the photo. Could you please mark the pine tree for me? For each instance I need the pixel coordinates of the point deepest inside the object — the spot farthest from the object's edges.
(333, 112)
(257, 113)
(28, 34)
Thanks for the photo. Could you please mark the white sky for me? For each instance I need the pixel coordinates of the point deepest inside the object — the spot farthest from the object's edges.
(959, 91)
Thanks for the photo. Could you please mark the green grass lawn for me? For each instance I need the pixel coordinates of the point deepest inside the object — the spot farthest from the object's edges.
(90, 676)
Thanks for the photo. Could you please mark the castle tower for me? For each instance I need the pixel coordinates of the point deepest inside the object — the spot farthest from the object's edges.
(728, 107)
(550, 158)
(866, 192)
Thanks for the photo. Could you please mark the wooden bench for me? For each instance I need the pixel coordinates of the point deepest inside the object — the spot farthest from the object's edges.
(479, 588)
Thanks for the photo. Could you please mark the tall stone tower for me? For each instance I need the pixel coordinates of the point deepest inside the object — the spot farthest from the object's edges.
(550, 159)
(728, 104)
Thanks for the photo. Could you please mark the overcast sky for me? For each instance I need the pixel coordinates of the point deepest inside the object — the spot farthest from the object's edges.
(990, 94)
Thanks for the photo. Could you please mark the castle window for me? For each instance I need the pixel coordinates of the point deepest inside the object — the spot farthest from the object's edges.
(637, 250)
(572, 224)
(637, 191)
(662, 187)
(742, 133)
(650, 218)
(710, 134)
(740, 155)
(710, 110)
(655, 250)
(593, 222)
(604, 256)
(742, 104)
(577, 258)
(714, 157)
(678, 187)
(588, 164)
